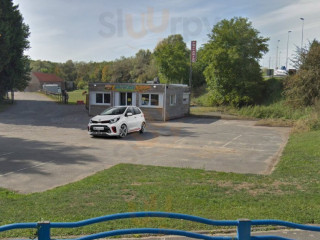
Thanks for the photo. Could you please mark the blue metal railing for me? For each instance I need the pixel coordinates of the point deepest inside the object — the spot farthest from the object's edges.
(243, 227)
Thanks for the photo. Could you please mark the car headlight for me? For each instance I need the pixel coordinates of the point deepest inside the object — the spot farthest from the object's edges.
(90, 121)
(114, 120)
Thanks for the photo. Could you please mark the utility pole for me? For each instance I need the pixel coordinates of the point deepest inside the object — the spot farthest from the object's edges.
(302, 19)
(269, 62)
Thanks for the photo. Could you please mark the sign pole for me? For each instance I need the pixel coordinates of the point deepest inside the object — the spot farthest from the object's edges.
(193, 58)
(190, 74)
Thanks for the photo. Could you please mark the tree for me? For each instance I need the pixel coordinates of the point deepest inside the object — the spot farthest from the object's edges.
(14, 65)
(96, 72)
(69, 71)
(172, 58)
(144, 67)
(43, 66)
(105, 73)
(120, 70)
(303, 88)
(232, 53)
(140, 65)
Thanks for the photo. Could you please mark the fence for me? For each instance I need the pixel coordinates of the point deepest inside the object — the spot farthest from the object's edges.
(59, 97)
(243, 227)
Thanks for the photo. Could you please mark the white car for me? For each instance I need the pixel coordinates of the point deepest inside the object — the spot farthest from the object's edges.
(280, 72)
(117, 121)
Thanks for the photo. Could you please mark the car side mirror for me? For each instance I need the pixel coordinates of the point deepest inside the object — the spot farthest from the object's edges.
(129, 114)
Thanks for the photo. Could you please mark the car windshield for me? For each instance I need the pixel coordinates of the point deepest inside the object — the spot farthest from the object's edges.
(114, 111)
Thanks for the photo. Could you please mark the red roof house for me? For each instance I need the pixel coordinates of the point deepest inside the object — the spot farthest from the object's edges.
(39, 78)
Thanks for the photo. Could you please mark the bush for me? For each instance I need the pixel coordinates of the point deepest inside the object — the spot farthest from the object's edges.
(302, 89)
(275, 110)
(273, 90)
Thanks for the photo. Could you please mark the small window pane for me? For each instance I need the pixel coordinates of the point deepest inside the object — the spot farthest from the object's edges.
(154, 100)
(123, 99)
(185, 98)
(145, 99)
(172, 99)
(99, 98)
(129, 99)
(107, 98)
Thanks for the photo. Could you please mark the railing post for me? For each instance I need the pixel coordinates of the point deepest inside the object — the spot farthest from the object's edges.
(244, 229)
(44, 230)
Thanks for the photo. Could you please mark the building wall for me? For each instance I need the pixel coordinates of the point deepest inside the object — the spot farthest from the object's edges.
(58, 83)
(33, 85)
(179, 108)
(153, 114)
(157, 113)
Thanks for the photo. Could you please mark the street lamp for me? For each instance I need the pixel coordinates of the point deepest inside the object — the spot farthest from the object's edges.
(287, 50)
(280, 59)
(302, 19)
(277, 54)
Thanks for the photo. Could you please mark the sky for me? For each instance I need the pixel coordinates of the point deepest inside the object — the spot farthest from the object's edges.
(104, 30)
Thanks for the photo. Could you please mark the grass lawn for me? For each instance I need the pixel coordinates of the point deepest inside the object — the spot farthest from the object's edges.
(290, 193)
(278, 110)
(74, 96)
(77, 95)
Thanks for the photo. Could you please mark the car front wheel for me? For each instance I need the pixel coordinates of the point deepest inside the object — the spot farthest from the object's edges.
(123, 131)
(143, 128)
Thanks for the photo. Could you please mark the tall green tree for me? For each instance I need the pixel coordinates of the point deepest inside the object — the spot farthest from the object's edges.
(69, 71)
(43, 66)
(172, 58)
(303, 88)
(144, 68)
(233, 73)
(140, 65)
(120, 70)
(14, 33)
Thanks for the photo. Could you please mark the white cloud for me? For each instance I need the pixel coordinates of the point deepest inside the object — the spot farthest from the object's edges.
(62, 30)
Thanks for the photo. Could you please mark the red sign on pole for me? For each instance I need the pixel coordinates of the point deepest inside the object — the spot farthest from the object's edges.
(193, 51)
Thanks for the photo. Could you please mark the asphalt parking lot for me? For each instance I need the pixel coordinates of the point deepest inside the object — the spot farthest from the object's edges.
(44, 145)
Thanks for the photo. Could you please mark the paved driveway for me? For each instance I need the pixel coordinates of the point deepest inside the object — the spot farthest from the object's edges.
(44, 145)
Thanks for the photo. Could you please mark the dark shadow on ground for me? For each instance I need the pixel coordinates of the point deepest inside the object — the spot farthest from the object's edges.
(196, 120)
(134, 136)
(45, 113)
(22, 155)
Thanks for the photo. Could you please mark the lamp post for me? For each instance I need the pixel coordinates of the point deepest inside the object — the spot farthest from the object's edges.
(302, 19)
(280, 59)
(277, 54)
(287, 50)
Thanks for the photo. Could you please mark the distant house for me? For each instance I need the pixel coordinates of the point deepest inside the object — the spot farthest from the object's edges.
(38, 79)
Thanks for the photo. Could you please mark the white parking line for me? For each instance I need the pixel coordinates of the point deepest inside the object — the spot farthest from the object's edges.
(231, 141)
(179, 140)
(5, 154)
(19, 170)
